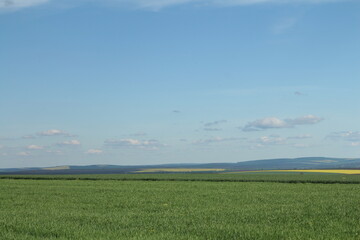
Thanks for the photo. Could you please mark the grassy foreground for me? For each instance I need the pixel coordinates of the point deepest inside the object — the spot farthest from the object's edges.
(62, 209)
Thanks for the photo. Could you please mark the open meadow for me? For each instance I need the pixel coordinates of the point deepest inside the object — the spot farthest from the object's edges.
(183, 206)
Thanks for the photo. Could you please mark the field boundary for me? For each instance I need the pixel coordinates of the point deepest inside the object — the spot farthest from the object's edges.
(178, 180)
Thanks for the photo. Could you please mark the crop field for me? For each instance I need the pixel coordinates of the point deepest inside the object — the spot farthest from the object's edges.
(87, 209)
(124, 208)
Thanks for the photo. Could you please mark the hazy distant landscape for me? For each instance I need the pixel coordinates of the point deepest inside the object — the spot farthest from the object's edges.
(268, 164)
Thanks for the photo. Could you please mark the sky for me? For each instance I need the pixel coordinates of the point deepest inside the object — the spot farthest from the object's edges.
(131, 82)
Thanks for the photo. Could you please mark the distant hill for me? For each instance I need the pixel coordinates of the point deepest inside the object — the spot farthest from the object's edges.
(265, 164)
(300, 163)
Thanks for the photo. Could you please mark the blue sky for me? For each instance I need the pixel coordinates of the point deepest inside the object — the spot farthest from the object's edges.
(148, 82)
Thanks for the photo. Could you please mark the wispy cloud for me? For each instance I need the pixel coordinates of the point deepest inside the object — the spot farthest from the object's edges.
(28, 137)
(134, 143)
(303, 136)
(355, 144)
(34, 147)
(15, 4)
(54, 132)
(54, 152)
(274, 122)
(284, 25)
(276, 140)
(305, 120)
(350, 136)
(69, 143)
(159, 4)
(300, 145)
(94, 151)
(213, 126)
(211, 129)
(138, 134)
(7, 138)
(214, 123)
(298, 93)
(155, 5)
(215, 140)
(47, 133)
(270, 140)
(24, 154)
(345, 135)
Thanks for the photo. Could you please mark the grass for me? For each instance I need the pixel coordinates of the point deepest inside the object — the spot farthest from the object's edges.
(79, 209)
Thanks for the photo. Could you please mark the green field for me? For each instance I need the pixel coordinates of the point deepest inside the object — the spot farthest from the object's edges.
(190, 206)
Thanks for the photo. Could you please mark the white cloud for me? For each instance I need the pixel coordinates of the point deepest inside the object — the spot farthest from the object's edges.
(94, 151)
(34, 147)
(355, 144)
(129, 142)
(54, 132)
(265, 123)
(14, 4)
(273, 122)
(69, 143)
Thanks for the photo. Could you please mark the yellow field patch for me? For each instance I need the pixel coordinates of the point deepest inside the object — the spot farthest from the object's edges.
(340, 171)
(181, 170)
(57, 168)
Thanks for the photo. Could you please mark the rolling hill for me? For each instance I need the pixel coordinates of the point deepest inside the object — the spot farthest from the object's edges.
(265, 164)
